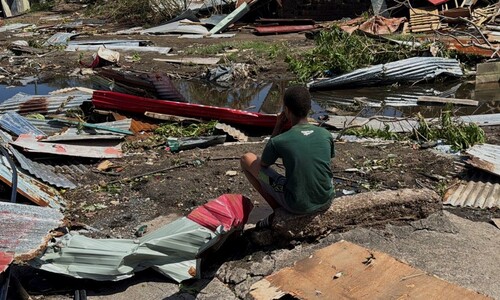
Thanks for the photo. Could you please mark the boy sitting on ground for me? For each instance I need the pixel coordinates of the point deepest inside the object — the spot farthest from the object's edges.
(305, 149)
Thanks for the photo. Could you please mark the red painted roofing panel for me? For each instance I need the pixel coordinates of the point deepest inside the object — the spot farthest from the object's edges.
(5, 259)
(229, 210)
(130, 103)
(438, 2)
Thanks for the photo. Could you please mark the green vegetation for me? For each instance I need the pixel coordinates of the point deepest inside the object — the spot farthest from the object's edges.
(42, 6)
(458, 134)
(455, 133)
(338, 52)
(192, 130)
(369, 132)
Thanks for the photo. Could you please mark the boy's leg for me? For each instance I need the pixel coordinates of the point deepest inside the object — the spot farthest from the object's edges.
(250, 164)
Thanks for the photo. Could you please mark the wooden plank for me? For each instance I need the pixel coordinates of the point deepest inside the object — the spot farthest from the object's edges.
(169, 117)
(191, 60)
(429, 99)
(348, 271)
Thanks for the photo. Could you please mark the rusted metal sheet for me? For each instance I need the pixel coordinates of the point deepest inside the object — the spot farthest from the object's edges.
(17, 124)
(5, 259)
(282, 29)
(485, 157)
(346, 270)
(26, 229)
(41, 171)
(32, 189)
(480, 190)
(48, 104)
(140, 126)
(30, 144)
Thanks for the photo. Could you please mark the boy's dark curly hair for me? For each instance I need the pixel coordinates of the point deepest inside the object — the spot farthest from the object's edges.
(298, 100)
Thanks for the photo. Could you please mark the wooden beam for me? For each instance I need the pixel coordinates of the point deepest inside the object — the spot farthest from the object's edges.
(429, 99)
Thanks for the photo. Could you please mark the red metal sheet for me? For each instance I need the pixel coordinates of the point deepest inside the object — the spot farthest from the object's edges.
(438, 2)
(135, 104)
(283, 29)
(5, 259)
(229, 210)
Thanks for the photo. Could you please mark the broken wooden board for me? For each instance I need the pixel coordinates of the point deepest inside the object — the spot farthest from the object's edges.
(424, 19)
(429, 99)
(172, 118)
(348, 271)
(191, 60)
(488, 72)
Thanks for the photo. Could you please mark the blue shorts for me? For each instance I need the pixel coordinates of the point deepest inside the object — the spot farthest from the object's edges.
(274, 184)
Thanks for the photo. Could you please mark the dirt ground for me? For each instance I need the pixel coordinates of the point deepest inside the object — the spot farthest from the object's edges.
(458, 245)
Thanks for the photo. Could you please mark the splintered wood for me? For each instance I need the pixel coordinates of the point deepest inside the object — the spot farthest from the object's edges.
(424, 19)
(348, 271)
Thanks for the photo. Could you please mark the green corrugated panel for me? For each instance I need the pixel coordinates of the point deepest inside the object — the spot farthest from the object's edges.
(171, 250)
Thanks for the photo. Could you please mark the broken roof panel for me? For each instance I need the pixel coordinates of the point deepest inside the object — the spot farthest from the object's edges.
(5, 259)
(14, 27)
(406, 70)
(17, 124)
(173, 250)
(182, 26)
(479, 190)
(485, 157)
(231, 18)
(161, 50)
(30, 144)
(47, 104)
(60, 38)
(52, 127)
(282, 29)
(346, 270)
(26, 229)
(29, 187)
(41, 171)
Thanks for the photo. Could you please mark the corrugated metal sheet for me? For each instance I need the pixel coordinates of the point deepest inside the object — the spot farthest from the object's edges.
(25, 228)
(181, 26)
(482, 120)
(14, 27)
(173, 250)
(406, 70)
(485, 157)
(41, 171)
(5, 260)
(30, 144)
(229, 210)
(283, 29)
(48, 104)
(234, 16)
(17, 124)
(52, 127)
(165, 88)
(161, 50)
(479, 190)
(60, 38)
(29, 187)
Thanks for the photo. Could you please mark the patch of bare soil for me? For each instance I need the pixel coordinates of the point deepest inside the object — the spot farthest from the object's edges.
(116, 205)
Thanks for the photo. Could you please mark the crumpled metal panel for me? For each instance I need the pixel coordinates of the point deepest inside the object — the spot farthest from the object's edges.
(485, 157)
(52, 127)
(17, 124)
(161, 50)
(229, 211)
(47, 104)
(406, 70)
(25, 228)
(172, 250)
(479, 190)
(5, 259)
(165, 89)
(41, 171)
(34, 190)
(181, 26)
(59, 38)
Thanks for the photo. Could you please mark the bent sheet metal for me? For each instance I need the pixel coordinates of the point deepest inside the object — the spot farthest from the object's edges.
(172, 250)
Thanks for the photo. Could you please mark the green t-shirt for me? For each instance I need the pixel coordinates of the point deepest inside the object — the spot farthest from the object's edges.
(306, 151)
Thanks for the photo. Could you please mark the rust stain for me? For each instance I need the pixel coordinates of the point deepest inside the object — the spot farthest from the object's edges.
(138, 126)
(481, 164)
(38, 104)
